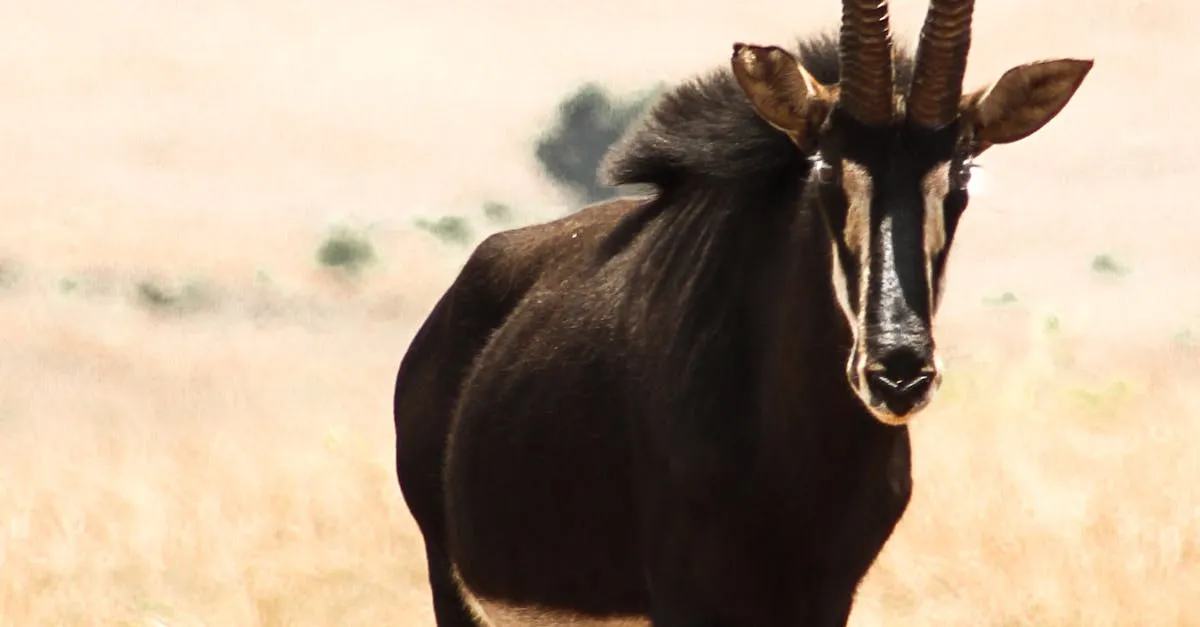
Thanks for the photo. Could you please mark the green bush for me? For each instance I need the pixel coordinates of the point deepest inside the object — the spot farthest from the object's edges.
(1006, 298)
(589, 122)
(161, 296)
(452, 229)
(1107, 264)
(346, 250)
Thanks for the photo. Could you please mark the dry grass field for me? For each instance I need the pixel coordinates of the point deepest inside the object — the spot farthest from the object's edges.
(195, 420)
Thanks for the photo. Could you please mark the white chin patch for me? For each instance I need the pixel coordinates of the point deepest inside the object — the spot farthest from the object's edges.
(888, 418)
(880, 413)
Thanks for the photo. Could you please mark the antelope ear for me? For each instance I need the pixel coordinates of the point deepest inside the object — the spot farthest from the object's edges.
(782, 92)
(1023, 100)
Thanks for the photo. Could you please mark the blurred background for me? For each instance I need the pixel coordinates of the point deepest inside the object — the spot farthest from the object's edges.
(224, 220)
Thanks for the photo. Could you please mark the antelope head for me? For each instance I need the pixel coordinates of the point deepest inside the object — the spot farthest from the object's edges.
(889, 171)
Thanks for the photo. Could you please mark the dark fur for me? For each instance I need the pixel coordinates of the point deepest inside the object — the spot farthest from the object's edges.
(705, 129)
(642, 408)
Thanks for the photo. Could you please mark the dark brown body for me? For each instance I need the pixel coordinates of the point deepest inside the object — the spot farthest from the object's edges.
(569, 437)
(689, 408)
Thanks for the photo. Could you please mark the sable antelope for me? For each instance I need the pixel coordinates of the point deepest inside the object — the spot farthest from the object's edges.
(689, 409)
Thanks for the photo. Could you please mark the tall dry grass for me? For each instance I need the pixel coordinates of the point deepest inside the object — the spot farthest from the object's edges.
(1052, 488)
(229, 467)
(234, 468)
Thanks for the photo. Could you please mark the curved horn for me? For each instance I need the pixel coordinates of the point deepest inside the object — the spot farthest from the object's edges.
(941, 63)
(865, 50)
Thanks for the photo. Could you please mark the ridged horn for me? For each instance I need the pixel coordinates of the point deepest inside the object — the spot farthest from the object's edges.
(941, 63)
(865, 51)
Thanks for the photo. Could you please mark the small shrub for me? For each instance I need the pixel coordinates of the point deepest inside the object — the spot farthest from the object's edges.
(159, 296)
(346, 250)
(1006, 298)
(1107, 264)
(154, 295)
(451, 229)
(589, 122)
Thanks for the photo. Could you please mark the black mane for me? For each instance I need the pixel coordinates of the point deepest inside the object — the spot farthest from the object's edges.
(728, 199)
(705, 129)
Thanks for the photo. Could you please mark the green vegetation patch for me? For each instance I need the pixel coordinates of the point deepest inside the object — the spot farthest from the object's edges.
(589, 121)
(449, 229)
(161, 296)
(1007, 298)
(1105, 263)
(346, 250)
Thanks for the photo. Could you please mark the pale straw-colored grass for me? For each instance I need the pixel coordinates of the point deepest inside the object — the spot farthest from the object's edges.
(233, 467)
(219, 471)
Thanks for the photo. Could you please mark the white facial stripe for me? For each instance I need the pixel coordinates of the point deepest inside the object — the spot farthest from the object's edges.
(859, 188)
(857, 185)
(934, 188)
(841, 292)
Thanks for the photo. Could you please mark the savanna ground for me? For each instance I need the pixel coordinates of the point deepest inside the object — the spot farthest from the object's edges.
(195, 416)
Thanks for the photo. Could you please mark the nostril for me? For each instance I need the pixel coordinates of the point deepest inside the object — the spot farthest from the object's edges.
(900, 379)
(880, 380)
(917, 386)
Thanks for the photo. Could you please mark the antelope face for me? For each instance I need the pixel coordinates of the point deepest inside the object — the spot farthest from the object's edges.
(891, 198)
(890, 176)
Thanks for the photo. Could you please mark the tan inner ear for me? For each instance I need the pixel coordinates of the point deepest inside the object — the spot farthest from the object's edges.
(781, 90)
(1023, 100)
